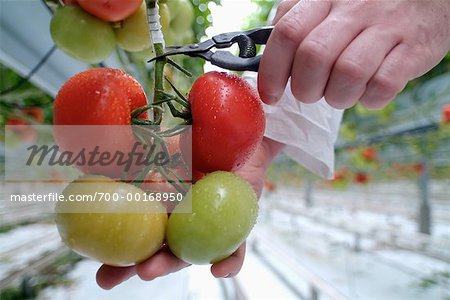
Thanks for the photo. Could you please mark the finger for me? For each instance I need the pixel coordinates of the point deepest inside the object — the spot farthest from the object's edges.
(317, 54)
(357, 64)
(399, 66)
(282, 9)
(160, 264)
(231, 266)
(291, 29)
(108, 276)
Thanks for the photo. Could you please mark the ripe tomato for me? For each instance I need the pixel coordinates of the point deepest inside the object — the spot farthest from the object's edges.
(22, 127)
(446, 114)
(134, 35)
(35, 113)
(228, 122)
(70, 2)
(224, 210)
(99, 96)
(81, 35)
(361, 178)
(110, 10)
(110, 231)
(197, 175)
(419, 168)
(369, 154)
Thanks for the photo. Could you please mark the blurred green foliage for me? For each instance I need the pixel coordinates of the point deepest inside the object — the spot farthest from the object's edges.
(259, 17)
(24, 96)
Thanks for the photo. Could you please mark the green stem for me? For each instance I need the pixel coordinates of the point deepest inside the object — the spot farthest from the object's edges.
(159, 69)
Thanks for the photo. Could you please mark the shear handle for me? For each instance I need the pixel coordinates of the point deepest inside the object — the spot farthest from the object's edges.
(226, 60)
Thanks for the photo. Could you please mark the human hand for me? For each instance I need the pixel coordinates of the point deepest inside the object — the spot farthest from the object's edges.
(352, 50)
(164, 262)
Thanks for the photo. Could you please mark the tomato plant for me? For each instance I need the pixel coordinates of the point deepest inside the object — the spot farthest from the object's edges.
(224, 210)
(133, 34)
(110, 10)
(35, 113)
(228, 122)
(22, 128)
(81, 35)
(98, 96)
(155, 182)
(110, 231)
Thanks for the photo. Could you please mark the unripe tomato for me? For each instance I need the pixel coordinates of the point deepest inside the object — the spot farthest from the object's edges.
(188, 37)
(134, 35)
(164, 20)
(112, 232)
(228, 123)
(81, 35)
(182, 15)
(110, 10)
(224, 210)
(144, 55)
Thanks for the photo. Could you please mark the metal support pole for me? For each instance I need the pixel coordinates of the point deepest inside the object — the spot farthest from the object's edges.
(424, 207)
(314, 293)
(309, 184)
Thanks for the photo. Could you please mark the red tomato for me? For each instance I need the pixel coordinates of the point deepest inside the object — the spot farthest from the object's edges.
(110, 10)
(228, 122)
(70, 2)
(446, 114)
(361, 178)
(418, 168)
(369, 154)
(197, 175)
(98, 97)
(34, 112)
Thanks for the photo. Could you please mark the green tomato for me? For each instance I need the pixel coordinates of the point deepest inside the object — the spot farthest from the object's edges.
(224, 210)
(188, 37)
(134, 34)
(82, 36)
(144, 55)
(113, 232)
(182, 15)
(164, 15)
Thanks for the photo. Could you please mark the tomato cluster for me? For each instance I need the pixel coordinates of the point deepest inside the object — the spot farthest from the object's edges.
(216, 213)
(89, 30)
(176, 21)
(83, 28)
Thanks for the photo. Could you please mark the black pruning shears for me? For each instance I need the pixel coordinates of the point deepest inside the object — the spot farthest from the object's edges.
(247, 41)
